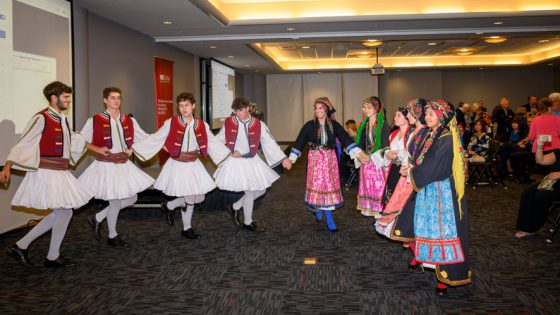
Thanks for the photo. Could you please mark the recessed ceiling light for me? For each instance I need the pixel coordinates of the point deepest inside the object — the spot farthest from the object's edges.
(498, 23)
(551, 64)
(290, 29)
(212, 47)
(372, 40)
(319, 72)
(247, 66)
(464, 49)
(495, 39)
(167, 22)
(543, 41)
(432, 44)
(231, 57)
(305, 47)
(481, 68)
(372, 43)
(479, 33)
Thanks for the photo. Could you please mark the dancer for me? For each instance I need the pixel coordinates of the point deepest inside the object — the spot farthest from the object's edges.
(244, 171)
(183, 176)
(397, 154)
(44, 151)
(403, 197)
(440, 214)
(323, 194)
(372, 138)
(112, 176)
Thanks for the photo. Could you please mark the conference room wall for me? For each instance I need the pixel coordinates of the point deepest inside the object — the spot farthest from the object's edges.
(109, 54)
(468, 85)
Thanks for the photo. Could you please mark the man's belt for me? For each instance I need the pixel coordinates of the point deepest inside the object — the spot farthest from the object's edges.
(190, 156)
(117, 158)
(54, 163)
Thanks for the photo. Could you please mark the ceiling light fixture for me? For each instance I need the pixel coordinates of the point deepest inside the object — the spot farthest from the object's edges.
(372, 43)
(432, 44)
(290, 29)
(231, 57)
(305, 47)
(247, 66)
(212, 47)
(498, 23)
(543, 41)
(479, 33)
(167, 22)
(495, 39)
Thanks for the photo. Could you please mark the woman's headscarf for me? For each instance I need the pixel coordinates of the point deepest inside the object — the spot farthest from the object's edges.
(329, 108)
(416, 108)
(379, 107)
(446, 116)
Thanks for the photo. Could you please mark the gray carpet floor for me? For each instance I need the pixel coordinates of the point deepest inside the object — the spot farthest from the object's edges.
(228, 271)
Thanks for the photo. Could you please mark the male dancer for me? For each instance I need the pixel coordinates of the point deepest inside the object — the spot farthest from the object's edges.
(244, 170)
(112, 176)
(44, 150)
(183, 176)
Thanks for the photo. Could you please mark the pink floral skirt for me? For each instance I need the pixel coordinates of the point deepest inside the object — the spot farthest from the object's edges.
(402, 192)
(323, 182)
(372, 185)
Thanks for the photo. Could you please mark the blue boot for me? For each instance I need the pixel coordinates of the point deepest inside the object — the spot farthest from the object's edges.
(330, 221)
(319, 215)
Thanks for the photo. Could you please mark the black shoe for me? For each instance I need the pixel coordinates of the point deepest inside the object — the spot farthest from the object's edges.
(95, 227)
(190, 233)
(168, 214)
(441, 291)
(117, 242)
(253, 227)
(235, 215)
(20, 255)
(58, 263)
(416, 268)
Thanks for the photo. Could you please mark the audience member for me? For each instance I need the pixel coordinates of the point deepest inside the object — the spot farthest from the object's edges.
(502, 117)
(536, 199)
(531, 104)
(478, 146)
(546, 124)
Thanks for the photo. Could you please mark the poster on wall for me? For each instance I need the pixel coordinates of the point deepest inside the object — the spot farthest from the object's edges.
(164, 96)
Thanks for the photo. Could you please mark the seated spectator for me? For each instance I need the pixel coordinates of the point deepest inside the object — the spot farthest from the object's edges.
(521, 117)
(480, 141)
(481, 114)
(537, 198)
(464, 135)
(517, 142)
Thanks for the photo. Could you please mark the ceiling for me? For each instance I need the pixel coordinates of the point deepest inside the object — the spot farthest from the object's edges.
(275, 42)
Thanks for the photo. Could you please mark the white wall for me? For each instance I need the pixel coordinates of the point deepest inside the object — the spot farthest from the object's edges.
(290, 98)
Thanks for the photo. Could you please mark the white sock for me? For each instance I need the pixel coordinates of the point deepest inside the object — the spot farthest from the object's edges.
(60, 225)
(41, 228)
(187, 217)
(112, 216)
(239, 203)
(175, 203)
(248, 202)
(101, 215)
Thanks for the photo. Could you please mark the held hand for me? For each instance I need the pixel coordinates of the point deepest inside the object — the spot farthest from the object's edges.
(103, 150)
(391, 155)
(5, 176)
(236, 154)
(554, 175)
(363, 158)
(128, 151)
(404, 170)
(287, 164)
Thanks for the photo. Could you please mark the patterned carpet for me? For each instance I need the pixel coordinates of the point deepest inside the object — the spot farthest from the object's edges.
(228, 271)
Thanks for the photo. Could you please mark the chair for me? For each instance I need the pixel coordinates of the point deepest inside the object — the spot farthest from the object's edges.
(489, 168)
(556, 223)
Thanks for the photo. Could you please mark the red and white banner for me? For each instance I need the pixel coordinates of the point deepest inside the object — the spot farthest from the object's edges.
(164, 96)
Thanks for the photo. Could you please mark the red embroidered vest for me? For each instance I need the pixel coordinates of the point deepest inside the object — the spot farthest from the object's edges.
(231, 126)
(102, 130)
(52, 138)
(174, 142)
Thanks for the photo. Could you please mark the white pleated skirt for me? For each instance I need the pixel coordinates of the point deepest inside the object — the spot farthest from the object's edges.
(109, 181)
(240, 174)
(50, 189)
(181, 179)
